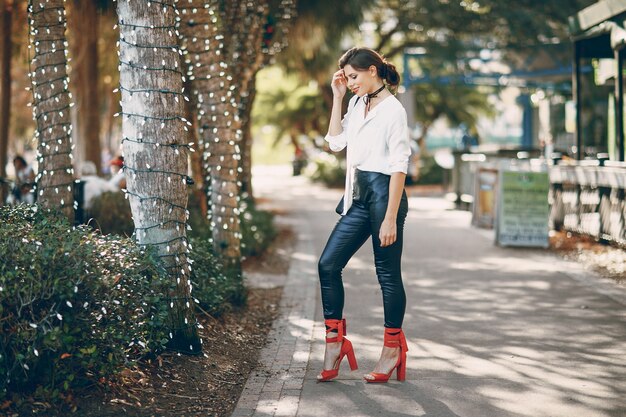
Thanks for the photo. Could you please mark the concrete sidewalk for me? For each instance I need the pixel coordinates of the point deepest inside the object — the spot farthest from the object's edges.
(491, 331)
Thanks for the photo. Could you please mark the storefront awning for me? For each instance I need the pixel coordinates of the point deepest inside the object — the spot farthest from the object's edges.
(601, 41)
(595, 14)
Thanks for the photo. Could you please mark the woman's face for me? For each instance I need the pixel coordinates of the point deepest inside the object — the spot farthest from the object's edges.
(361, 82)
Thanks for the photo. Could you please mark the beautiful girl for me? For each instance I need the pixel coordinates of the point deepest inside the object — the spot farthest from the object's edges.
(375, 132)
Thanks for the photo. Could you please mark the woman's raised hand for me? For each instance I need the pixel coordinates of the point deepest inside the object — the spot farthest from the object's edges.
(339, 84)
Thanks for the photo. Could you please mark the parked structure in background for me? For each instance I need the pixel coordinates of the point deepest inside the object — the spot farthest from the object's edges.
(587, 194)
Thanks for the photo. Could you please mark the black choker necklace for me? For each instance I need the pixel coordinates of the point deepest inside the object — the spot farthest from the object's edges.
(368, 97)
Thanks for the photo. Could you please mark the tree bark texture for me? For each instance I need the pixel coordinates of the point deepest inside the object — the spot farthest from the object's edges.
(245, 176)
(200, 191)
(84, 23)
(155, 140)
(252, 49)
(218, 126)
(51, 105)
(6, 8)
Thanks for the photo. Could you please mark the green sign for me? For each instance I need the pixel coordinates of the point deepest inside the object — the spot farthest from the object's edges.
(523, 209)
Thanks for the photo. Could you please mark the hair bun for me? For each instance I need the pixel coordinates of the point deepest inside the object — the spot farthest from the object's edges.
(384, 69)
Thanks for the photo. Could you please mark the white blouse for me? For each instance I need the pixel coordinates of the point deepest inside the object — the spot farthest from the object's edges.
(378, 142)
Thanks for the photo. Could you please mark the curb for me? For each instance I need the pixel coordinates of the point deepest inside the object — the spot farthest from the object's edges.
(275, 385)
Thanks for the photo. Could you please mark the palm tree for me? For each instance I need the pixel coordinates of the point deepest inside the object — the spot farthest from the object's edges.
(268, 30)
(51, 105)
(156, 148)
(213, 89)
(6, 19)
(84, 23)
(297, 110)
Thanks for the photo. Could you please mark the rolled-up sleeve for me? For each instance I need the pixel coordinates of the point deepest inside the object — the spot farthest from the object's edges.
(338, 142)
(398, 144)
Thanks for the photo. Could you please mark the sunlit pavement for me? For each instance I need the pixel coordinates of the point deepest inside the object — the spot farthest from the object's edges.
(491, 331)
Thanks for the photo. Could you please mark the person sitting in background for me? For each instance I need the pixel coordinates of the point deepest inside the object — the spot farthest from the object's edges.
(118, 179)
(94, 185)
(24, 181)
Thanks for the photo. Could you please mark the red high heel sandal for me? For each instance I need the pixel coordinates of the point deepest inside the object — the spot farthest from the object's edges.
(346, 348)
(393, 338)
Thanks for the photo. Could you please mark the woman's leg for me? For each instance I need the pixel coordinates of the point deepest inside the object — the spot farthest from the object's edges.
(388, 263)
(349, 234)
(388, 269)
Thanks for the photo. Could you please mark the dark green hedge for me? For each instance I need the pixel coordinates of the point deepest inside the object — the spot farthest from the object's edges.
(75, 306)
(214, 291)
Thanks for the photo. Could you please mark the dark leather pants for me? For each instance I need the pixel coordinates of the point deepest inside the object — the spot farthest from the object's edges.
(363, 220)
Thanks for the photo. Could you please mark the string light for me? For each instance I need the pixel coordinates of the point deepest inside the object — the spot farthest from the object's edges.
(156, 168)
(202, 27)
(51, 103)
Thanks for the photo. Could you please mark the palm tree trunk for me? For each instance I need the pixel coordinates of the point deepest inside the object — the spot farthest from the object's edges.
(246, 148)
(6, 8)
(112, 106)
(257, 56)
(84, 23)
(155, 148)
(250, 51)
(212, 91)
(51, 106)
(197, 166)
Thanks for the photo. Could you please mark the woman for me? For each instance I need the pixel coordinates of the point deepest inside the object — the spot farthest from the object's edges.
(375, 132)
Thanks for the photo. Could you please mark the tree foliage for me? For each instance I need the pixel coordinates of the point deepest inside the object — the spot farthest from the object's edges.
(493, 24)
(297, 109)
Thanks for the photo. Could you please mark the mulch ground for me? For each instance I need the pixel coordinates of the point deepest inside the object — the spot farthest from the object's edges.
(185, 386)
(606, 260)
(207, 385)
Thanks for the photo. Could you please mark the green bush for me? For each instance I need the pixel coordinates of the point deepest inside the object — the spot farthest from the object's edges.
(257, 226)
(74, 305)
(257, 229)
(110, 213)
(199, 224)
(328, 170)
(214, 290)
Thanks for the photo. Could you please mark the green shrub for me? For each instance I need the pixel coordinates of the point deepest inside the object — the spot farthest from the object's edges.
(257, 226)
(110, 213)
(329, 170)
(199, 224)
(74, 305)
(214, 290)
(257, 229)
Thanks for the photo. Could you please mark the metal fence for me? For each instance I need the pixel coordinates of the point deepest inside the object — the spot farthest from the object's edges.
(587, 197)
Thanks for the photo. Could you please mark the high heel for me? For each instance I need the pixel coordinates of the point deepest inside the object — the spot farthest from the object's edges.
(393, 338)
(338, 326)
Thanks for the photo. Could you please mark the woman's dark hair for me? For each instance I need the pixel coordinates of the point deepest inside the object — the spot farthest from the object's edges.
(362, 58)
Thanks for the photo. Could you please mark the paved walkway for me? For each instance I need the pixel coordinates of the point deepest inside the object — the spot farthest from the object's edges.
(491, 331)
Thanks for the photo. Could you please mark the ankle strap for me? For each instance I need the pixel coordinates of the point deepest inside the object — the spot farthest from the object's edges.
(395, 338)
(338, 326)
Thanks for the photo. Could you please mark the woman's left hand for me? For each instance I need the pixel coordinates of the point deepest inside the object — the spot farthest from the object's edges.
(387, 234)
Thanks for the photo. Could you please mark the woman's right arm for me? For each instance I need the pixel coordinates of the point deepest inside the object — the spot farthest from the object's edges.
(335, 128)
(336, 137)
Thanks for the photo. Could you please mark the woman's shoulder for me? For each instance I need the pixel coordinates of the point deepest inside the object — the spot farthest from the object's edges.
(394, 106)
(395, 102)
